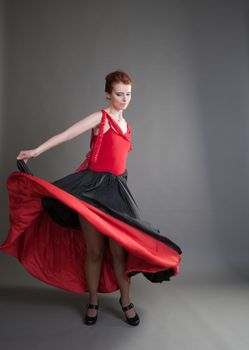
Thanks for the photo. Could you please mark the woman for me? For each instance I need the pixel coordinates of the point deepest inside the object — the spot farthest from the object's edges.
(89, 218)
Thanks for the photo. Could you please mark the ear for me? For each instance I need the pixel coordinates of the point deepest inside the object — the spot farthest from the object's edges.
(108, 96)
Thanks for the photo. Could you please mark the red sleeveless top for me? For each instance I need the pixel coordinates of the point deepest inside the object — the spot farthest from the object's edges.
(109, 149)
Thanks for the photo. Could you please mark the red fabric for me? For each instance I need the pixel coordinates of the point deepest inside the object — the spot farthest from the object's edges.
(56, 254)
(108, 151)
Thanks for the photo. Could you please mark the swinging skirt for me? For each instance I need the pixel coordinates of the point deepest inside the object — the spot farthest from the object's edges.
(46, 237)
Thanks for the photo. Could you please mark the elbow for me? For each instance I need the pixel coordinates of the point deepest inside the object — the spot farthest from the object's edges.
(66, 136)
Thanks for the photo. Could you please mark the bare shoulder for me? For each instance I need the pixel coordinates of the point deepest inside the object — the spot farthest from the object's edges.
(92, 120)
(88, 122)
(94, 117)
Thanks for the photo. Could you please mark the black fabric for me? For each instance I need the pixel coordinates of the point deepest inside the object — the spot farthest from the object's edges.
(109, 193)
(155, 277)
(105, 191)
(23, 167)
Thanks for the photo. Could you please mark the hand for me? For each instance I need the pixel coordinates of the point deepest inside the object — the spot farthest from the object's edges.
(25, 155)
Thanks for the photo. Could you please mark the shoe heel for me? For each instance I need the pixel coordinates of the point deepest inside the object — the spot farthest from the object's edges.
(133, 321)
(90, 320)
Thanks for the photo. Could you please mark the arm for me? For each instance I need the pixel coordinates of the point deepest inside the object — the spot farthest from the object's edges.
(76, 129)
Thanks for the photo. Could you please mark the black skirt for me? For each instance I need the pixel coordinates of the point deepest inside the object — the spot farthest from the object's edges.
(105, 191)
(46, 237)
(110, 193)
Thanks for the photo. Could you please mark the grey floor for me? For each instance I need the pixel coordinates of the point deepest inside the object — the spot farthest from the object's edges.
(182, 313)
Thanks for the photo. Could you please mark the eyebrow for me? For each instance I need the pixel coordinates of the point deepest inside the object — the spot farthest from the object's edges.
(120, 92)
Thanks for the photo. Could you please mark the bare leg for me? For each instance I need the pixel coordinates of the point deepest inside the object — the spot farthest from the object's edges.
(95, 243)
(119, 255)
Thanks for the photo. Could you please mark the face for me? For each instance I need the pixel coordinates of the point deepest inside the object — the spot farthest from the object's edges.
(120, 96)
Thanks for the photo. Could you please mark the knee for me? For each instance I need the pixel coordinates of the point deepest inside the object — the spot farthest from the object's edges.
(95, 254)
(118, 252)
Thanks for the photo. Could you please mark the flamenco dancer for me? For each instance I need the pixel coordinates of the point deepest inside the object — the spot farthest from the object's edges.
(85, 232)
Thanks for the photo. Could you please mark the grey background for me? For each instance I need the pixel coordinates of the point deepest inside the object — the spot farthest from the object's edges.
(189, 169)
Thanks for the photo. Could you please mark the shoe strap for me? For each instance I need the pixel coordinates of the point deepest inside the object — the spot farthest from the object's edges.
(125, 308)
(92, 306)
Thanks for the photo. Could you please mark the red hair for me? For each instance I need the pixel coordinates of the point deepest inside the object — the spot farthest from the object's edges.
(116, 77)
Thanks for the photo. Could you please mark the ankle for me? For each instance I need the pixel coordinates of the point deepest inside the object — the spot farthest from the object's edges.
(93, 299)
(125, 300)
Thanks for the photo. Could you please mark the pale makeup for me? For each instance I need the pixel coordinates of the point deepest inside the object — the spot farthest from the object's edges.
(119, 100)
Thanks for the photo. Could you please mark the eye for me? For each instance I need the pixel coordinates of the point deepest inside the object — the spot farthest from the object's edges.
(120, 93)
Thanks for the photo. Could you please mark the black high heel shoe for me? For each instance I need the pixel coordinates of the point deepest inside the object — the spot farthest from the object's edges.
(134, 321)
(89, 320)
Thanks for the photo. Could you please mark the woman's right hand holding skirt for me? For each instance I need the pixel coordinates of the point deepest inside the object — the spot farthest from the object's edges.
(26, 155)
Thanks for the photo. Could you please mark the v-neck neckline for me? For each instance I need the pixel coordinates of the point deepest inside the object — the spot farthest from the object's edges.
(114, 121)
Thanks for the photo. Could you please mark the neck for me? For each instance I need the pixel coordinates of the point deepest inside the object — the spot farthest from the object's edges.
(116, 113)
